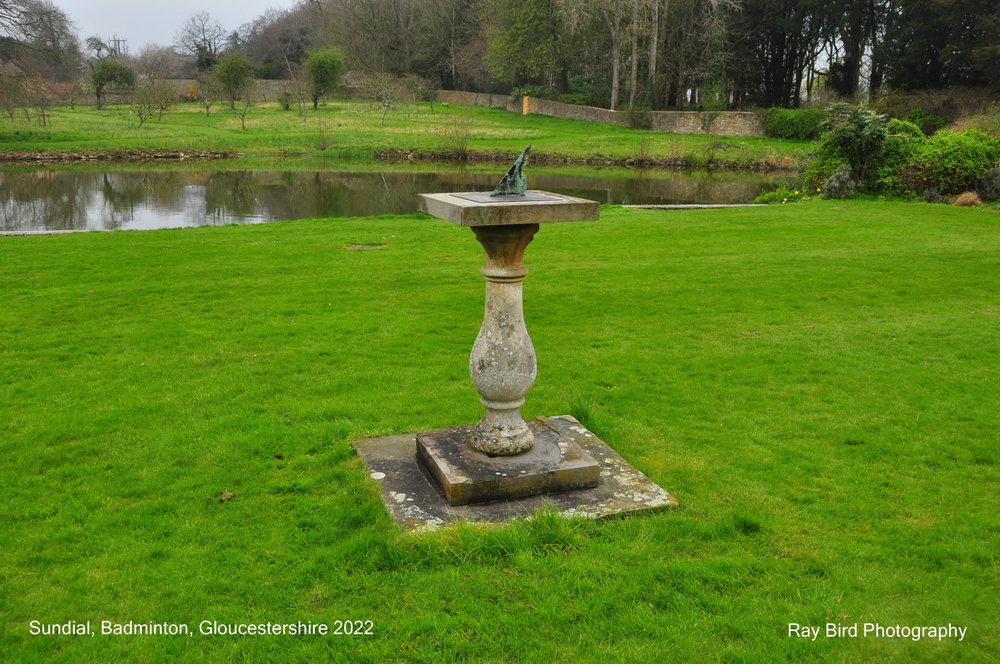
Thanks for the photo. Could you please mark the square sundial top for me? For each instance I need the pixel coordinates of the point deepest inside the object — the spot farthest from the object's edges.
(535, 207)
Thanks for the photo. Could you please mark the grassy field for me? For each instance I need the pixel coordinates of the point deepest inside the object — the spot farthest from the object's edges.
(816, 384)
(351, 127)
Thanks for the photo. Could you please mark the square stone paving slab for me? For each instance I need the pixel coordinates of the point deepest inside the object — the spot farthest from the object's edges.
(414, 500)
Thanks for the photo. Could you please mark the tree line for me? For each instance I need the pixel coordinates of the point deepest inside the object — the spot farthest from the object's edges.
(654, 53)
(708, 54)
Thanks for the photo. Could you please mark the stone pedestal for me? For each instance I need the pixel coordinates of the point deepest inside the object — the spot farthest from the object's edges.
(502, 364)
(502, 459)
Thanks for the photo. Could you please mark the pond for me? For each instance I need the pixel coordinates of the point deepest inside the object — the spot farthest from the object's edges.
(115, 197)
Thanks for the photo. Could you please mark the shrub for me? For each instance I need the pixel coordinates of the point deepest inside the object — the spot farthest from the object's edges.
(537, 91)
(456, 137)
(804, 124)
(583, 90)
(780, 195)
(989, 187)
(968, 199)
(857, 135)
(952, 162)
(904, 128)
(841, 184)
(578, 98)
(903, 141)
(928, 122)
(819, 170)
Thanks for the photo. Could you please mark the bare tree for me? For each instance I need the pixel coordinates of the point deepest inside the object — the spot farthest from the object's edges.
(156, 63)
(164, 94)
(203, 37)
(207, 92)
(375, 35)
(144, 103)
(276, 39)
(39, 38)
(384, 88)
(247, 102)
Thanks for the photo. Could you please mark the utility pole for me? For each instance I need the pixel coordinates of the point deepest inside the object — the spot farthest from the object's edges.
(118, 45)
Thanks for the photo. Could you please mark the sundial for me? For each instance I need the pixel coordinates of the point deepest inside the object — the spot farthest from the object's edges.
(503, 465)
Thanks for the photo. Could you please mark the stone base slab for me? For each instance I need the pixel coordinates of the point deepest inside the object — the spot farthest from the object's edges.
(415, 502)
(466, 475)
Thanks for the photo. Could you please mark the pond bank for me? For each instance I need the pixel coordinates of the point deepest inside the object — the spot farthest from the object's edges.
(122, 156)
(708, 159)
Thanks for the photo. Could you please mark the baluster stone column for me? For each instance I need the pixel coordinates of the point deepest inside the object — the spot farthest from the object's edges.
(502, 364)
(498, 467)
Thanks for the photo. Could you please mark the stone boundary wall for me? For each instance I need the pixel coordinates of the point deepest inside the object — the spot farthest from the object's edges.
(557, 109)
(479, 99)
(721, 123)
(266, 88)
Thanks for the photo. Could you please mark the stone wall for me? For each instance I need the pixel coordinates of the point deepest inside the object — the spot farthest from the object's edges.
(268, 90)
(679, 122)
(724, 123)
(479, 99)
(557, 109)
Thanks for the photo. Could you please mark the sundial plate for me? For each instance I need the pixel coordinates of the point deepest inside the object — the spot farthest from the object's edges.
(528, 197)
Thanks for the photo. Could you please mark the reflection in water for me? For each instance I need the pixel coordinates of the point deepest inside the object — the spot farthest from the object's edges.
(54, 200)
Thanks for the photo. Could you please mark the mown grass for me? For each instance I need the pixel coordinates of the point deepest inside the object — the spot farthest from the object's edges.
(816, 384)
(351, 127)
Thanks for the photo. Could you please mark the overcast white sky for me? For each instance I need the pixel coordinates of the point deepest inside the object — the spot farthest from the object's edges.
(157, 21)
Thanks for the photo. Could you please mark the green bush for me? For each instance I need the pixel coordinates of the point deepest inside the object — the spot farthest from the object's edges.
(804, 124)
(584, 91)
(578, 98)
(952, 162)
(536, 91)
(928, 122)
(820, 170)
(904, 128)
(903, 142)
(780, 195)
(857, 135)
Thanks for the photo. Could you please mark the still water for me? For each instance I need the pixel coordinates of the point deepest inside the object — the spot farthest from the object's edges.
(47, 200)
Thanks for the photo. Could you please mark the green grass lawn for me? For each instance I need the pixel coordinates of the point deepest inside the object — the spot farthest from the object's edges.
(817, 384)
(351, 127)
